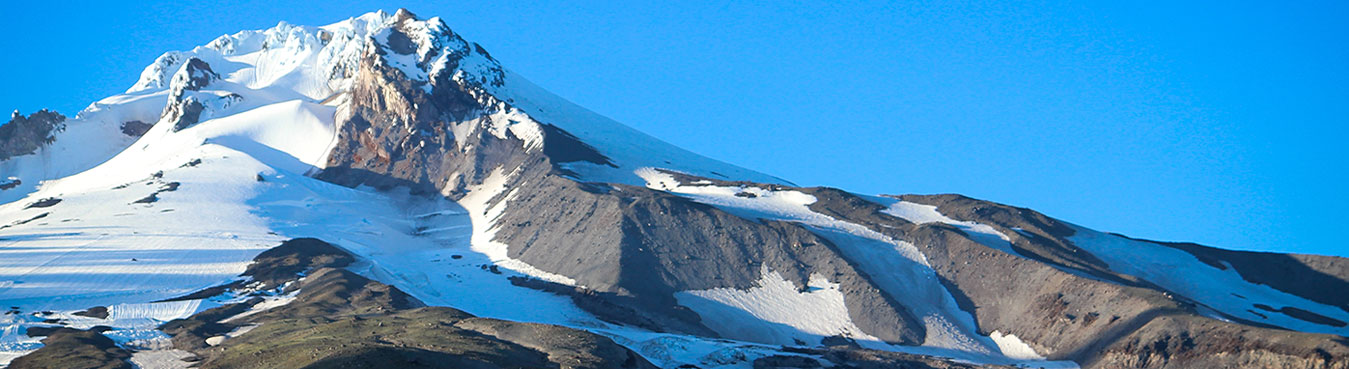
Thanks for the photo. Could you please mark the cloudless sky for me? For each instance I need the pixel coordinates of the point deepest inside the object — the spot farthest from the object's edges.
(1223, 122)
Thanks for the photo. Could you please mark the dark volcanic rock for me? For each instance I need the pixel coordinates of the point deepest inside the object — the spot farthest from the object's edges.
(184, 108)
(24, 135)
(195, 75)
(100, 312)
(44, 203)
(184, 113)
(72, 348)
(281, 264)
(135, 128)
(29, 220)
(152, 197)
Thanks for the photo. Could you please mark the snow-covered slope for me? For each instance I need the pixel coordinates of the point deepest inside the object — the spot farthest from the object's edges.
(87, 140)
(465, 185)
(1222, 291)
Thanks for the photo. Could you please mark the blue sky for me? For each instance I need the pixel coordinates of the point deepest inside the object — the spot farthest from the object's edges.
(1221, 123)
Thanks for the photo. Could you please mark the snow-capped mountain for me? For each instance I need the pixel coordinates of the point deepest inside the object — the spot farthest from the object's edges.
(384, 169)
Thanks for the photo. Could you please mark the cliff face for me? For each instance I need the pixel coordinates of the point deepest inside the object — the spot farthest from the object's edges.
(24, 135)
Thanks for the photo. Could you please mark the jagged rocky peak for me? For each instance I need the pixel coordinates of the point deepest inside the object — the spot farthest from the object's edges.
(24, 135)
(184, 108)
(403, 14)
(193, 75)
(422, 50)
(425, 50)
(186, 104)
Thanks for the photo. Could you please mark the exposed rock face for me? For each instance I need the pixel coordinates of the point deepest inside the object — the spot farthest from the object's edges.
(24, 135)
(185, 107)
(194, 75)
(135, 128)
(281, 264)
(397, 133)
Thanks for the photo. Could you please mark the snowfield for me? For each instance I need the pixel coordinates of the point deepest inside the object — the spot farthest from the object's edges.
(802, 316)
(89, 138)
(1222, 290)
(919, 214)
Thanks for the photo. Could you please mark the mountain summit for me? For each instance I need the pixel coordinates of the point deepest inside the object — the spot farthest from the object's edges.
(380, 192)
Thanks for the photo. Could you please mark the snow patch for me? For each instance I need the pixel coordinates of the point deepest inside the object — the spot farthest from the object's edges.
(268, 303)
(484, 214)
(1013, 347)
(517, 124)
(981, 233)
(804, 316)
(1181, 273)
